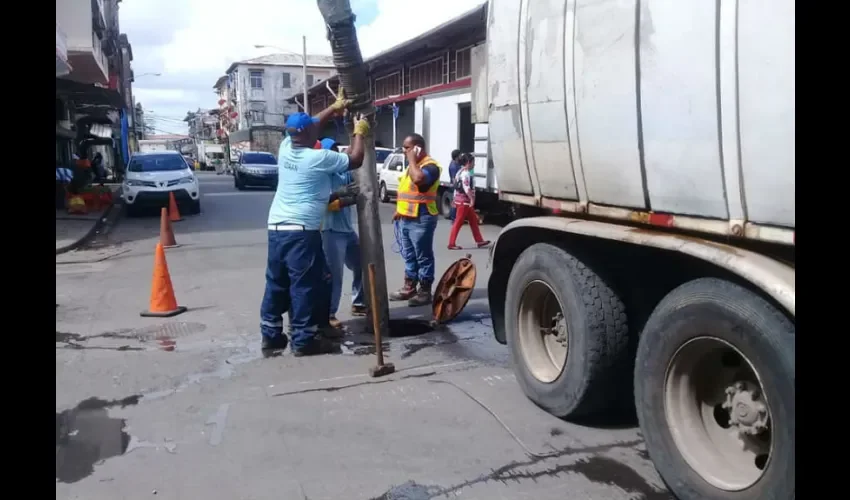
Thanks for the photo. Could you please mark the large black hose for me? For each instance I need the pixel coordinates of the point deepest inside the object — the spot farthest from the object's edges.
(348, 60)
(354, 79)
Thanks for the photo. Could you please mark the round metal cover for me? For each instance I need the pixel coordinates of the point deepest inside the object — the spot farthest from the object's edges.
(454, 290)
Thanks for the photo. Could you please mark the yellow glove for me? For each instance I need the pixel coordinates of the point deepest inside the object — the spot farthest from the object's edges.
(361, 126)
(341, 102)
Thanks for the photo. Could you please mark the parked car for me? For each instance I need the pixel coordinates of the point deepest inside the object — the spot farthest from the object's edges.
(390, 175)
(381, 155)
(152, 176)
(255, 168)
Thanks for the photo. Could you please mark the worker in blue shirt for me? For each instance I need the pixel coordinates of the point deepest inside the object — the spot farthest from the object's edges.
(296, 268)
(342, 246)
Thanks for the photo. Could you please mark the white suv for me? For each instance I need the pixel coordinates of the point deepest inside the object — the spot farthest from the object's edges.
(150, 177)
(391, 173)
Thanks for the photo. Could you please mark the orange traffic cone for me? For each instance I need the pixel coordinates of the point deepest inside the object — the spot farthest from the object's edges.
(163, 304)
(166, 233)
(173, 212)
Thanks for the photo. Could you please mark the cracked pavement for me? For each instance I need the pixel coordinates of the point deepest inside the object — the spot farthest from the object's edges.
(187, 407)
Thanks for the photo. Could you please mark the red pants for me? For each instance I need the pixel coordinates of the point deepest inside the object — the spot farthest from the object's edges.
(465, 213)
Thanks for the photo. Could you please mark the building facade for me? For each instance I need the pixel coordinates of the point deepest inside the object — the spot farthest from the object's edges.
(203, 125)
(257, 91)
(435, 62)
(93, 84)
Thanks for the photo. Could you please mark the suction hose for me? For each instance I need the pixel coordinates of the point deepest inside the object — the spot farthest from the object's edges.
(348, 60)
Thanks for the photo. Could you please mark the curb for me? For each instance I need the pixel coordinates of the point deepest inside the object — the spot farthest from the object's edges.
(111, 211)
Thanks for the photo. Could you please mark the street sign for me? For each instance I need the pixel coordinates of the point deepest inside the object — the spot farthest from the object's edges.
(395, 111)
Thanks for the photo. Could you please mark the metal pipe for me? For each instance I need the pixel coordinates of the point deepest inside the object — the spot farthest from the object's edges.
(353, 77)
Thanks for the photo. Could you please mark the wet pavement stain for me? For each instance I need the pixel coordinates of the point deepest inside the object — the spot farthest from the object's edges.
(362, 348)
(87, 435)
(600, 470)
(603, 470)
(410, 490)
(72, 341)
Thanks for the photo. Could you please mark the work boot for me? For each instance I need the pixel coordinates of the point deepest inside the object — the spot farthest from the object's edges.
(332, 332)
(407, 291)
(422, 297)
(318, 345)
(276, 343)
(359, 310)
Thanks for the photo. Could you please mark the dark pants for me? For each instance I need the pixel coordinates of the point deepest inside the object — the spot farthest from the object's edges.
(298, 283)
(453, 210)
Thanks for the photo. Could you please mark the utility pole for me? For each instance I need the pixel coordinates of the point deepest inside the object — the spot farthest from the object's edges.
(304, 71)
(353, 78)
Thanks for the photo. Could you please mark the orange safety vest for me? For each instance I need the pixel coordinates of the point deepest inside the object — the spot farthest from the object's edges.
(409, 196)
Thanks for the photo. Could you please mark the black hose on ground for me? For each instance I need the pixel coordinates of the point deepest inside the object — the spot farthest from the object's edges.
(348, 60)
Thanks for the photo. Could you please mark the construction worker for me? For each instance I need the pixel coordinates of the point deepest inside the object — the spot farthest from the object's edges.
(416, 221)
(341, 244)
(296, 270)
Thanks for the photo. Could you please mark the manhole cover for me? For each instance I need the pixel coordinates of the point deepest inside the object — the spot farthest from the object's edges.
(166, 331)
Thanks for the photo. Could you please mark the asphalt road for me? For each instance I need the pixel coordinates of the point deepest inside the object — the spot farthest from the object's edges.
(187, 408)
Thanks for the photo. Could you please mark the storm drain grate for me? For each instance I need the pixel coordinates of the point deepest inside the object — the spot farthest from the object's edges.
(165, 331)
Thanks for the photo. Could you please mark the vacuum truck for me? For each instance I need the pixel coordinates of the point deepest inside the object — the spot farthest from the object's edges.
(653, 144)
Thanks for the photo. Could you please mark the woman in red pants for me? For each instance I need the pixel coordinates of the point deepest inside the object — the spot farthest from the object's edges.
(464, 201)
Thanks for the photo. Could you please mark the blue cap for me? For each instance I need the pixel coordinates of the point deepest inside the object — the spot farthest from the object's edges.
(327, 143)
(298, 122)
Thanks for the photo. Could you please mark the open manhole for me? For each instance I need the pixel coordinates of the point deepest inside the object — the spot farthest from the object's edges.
(408, 327)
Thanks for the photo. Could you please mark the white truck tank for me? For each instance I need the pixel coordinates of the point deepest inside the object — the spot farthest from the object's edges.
(654, 106)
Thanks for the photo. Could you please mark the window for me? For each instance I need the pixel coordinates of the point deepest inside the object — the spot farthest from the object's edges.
(287, 81)
(256, 77)
(463, 65)
(309, 80)
(393, 163)
(388, 86)
(258, 159)
(257, 112)
(427, 74)
(157, 163)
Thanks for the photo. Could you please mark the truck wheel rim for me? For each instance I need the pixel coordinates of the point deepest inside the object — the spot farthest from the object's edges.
(718, 414)
(542, 331)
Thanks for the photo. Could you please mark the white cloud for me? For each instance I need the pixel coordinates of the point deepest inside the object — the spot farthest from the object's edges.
(192, 42)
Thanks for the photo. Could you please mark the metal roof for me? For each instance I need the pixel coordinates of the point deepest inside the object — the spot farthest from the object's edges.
(433, 39)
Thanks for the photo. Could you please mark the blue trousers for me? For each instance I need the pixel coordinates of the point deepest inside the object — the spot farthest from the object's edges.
(417, 246)
(297, 282)
(342, 249)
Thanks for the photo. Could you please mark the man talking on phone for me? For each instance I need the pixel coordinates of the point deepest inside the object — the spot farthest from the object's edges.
(416, 221)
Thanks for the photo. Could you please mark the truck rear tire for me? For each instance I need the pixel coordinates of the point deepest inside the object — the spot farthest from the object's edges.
(567, 333)
(446, 199)
(715, 393)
